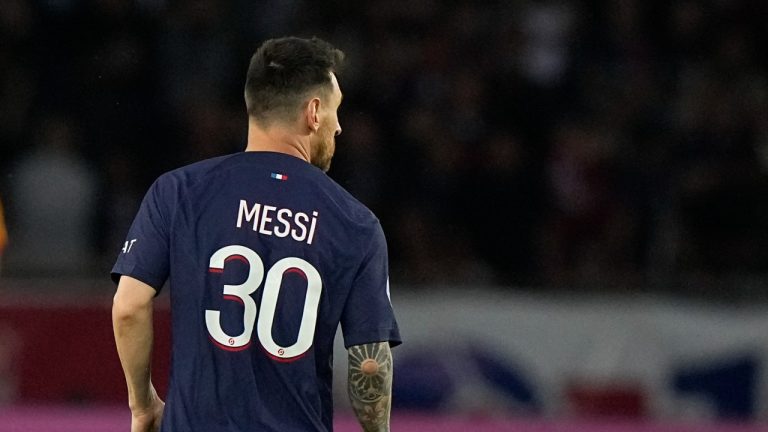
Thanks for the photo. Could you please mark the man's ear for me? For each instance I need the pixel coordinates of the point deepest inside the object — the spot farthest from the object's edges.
(312, 114)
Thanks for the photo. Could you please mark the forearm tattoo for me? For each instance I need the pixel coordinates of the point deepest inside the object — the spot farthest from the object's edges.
(370, 384)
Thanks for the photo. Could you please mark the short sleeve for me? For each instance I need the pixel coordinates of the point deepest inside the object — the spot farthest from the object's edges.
(368, 315)
(145, 255)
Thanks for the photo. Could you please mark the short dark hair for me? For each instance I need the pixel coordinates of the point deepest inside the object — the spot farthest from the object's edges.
(281, 73)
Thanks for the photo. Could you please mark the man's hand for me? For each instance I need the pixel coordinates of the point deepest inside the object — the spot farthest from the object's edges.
(149, 418)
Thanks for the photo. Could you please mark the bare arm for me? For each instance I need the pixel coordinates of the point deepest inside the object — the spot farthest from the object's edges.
(370, 385)
(132, 325)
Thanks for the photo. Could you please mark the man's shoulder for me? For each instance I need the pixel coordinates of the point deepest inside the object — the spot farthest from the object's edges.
(191, 175)
(354, 209)
(195, 170)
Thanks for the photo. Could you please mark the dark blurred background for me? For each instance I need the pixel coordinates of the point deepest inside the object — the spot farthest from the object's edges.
(614, 145)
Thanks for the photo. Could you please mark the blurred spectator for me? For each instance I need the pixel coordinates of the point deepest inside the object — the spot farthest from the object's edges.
(51, 205)
(589, 233)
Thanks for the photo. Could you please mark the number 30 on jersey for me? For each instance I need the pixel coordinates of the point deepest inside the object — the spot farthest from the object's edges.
(242, 294)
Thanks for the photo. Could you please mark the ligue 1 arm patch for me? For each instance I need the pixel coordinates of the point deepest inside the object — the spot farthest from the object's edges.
(128, 245)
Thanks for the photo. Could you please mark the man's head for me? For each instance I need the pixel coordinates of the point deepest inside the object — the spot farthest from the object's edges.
(292, 81)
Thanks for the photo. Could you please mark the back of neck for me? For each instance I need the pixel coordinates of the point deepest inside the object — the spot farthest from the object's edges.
(278, 139)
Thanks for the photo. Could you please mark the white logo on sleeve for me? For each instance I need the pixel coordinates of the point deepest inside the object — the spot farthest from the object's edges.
(128, 245)
(388, 296)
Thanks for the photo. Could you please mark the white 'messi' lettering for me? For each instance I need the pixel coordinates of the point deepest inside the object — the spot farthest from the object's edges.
(280, 222)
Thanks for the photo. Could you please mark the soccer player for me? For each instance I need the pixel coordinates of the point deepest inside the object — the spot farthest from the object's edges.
(266, 256)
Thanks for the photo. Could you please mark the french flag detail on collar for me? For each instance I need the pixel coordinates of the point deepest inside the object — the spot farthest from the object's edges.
(278, 176)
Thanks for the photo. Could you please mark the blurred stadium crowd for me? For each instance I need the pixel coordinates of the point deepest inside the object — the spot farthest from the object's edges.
(609, 144)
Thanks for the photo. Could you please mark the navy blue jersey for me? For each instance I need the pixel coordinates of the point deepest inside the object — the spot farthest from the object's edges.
(266, 256)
